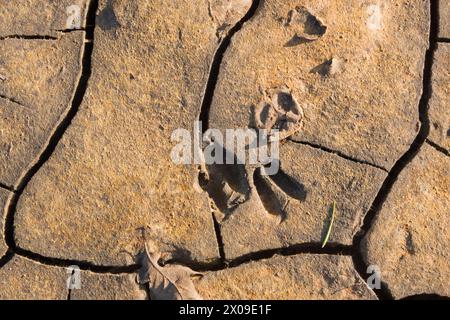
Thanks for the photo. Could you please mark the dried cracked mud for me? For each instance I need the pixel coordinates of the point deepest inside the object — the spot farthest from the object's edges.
(92, 91)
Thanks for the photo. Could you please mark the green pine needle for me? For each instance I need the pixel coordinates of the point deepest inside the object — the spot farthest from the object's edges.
(324, 243)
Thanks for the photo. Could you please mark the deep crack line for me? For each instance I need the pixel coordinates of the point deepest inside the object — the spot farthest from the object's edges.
(217, 63)
(408, 156)
(61, 263)
(305, 248)
(296, 249)
(29, 37)
(438, 148)
(219, 238)
(7, 257)
(83, 265)
(209, 95)
(78, 96)
(6, 187)
(337, 153)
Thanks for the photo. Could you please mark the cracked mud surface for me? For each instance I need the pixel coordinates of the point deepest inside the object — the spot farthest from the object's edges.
(410, 232)
(358, 90)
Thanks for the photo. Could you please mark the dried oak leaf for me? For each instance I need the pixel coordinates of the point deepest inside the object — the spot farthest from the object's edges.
(170, 282)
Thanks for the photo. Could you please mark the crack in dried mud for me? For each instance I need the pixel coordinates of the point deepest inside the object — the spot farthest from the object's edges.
(360, 265)
(6, 187)
(29, 37)
(338, 153)
(6, 258)
(217, 63)
(438, 147)
(219, 238)
(56, 136)
(304, 248)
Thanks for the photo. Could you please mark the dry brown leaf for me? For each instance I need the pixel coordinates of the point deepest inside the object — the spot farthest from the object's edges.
(170, 282)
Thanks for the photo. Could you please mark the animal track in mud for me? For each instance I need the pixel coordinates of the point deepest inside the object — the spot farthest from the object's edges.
(273, 202)
(307, 26)
(289, 186)
(276, 191)
(279, 111)
(329, 68)
(229, 186)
